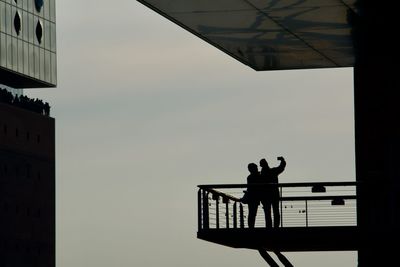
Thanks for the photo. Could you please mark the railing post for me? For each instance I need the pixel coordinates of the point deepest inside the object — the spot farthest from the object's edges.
(280, 204)
(241, 215)
(227, 212)
(199, 211)
(306, 213)
(217, 212)
(235, 215)
(206, 223)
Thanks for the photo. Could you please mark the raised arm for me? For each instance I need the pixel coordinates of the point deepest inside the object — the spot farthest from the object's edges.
(281, 166)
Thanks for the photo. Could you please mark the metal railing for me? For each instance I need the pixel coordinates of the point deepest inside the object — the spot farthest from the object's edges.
(300, 205)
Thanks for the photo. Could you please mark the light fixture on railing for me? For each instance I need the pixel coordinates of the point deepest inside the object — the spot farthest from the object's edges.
(318, 189)
(337, 201)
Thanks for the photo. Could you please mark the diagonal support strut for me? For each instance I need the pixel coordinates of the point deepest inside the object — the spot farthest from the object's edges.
(271, 261)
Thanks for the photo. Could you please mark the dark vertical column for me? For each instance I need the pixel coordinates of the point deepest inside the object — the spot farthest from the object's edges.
(377, 132)
(27, 188)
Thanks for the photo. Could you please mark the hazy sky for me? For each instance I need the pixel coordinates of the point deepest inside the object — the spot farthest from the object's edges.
(145, 112)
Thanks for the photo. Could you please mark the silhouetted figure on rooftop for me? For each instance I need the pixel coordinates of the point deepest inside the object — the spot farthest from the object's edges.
(47, 109)
(271, 196)
(253, 193)
(22, 101)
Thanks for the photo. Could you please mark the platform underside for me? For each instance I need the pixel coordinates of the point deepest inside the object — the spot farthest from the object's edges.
(343, 238)
(269, 34)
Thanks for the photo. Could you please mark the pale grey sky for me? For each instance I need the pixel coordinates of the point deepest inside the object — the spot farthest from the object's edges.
(145, 112)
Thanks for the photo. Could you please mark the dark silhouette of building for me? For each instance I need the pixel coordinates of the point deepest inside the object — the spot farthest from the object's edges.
(27, 134)
(279, 35)
(27, 188)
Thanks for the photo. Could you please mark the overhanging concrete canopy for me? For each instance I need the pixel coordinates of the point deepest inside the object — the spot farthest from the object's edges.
(269, 34)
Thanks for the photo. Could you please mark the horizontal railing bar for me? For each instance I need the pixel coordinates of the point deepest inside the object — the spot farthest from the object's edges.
(316, 198)
(303, 198)
(211, 186)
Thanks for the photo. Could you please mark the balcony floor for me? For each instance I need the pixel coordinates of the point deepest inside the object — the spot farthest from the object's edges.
(337, 238)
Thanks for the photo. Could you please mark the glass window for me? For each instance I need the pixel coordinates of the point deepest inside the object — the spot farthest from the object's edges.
(31, 28)
(53, 68)
(41, 64)
(9, 52)
(20, 62)
(29, 6)
(37, 61)
(31, 50)
(46, 34)
(12, 21)
(52, 10)
(26, 58)
(25, 26)
(8, 19)
(53, 37)
(46, 10)
(47, 65)
(2, 17)
(14, 47)
(3, 50)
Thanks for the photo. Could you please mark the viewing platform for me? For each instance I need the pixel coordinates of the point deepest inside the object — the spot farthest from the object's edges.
(314, 217)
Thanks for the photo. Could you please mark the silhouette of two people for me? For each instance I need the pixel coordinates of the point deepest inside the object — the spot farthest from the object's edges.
(263, 188)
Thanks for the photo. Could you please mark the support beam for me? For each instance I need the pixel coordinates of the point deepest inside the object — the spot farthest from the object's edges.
(377, 132)
(285, 261)
(268, 258)
(271, 261)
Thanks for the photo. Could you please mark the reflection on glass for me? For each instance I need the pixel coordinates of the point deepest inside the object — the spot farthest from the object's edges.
(8, 19)
(14, 49)
(47, 70)
(3, 55)
(26, 58)
(41, 76)
(20, 56)
(37, 64)
(31, 61)
(25, 26)
(53, 68)
(31, 28)
(53, 37)
(2, 17)
(46, 34)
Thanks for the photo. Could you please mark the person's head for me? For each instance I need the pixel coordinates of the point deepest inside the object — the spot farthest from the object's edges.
(264, 163)
(252, 167)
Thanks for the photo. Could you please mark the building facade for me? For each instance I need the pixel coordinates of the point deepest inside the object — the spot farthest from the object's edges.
(27, 134)
(28, 43)
(27, 188)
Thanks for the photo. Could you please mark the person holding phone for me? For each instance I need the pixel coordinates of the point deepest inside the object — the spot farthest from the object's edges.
(271, 196)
